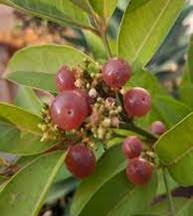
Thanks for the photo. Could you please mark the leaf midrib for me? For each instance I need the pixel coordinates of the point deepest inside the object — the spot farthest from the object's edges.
(119, 169)
(150, 31)
(45, 190)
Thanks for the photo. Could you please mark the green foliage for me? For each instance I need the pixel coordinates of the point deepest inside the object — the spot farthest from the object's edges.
(140, 37)
(104, 8)
(186, 87)
(95, 46)
(30, 186)
(41, 64)
(28, 100)
(182, 208)
(19, 131)
(108, 180)
(144, 27)
(63, 12)
(175, 151)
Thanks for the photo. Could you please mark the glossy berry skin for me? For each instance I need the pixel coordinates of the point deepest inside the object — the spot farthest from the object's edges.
(88, 100)
(69, 109)
(137, 102)
(158, 128)
(139, 171)
(116, 72)
(65, 79)
(132, 147)
(80, 161)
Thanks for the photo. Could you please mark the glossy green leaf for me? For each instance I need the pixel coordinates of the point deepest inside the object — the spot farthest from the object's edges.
(19, 142)
(128, 199)
(181, 205)
(19, 132)
(161, 189)
(84, 4)
(95, 46)
(186, 86)
(108, 180)
(62, 12)
(175, 150)
(26, 191)
(144, 28)
(170, 110)
(41, 64)
(108, 166)
(28, 100)
(104, 8)
(23, 120)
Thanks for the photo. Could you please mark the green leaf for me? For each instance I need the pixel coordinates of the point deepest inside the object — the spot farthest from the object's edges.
(28, 100)
(19, 132)
(37, 66)
(84, 4)
(144, 28)
(108, 180)
(104, 8)
(95, 45)
(23, 120)
(161, 189)
(26, 191)
(181, 205)
(62, 12)
(170, 110)
(19, 142)
(186, 86)
(108, 166)
(175, 150)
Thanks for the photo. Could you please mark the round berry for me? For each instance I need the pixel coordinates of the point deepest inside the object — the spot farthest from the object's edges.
(158, 128)
(80, 161)
(116, 72)
(65, 79)
(137, 102)
(88, 100)
(132, 147)
(69, 109)
(139, 171)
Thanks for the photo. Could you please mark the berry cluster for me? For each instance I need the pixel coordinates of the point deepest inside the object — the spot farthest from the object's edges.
(139, 170)
(91, 101)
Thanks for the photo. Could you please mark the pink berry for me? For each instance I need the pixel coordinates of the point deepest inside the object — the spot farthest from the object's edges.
(139, 171)
(69, 109)
(80, 161)
(116, 72)
(137, 102)
(65, 79)
(132, 147)
(158, 128)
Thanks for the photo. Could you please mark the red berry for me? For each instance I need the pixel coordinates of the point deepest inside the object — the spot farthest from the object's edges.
(88, 100)
(65, 79)
(137, 102)
(80, 161)
(116, 72)
(139, 171)
(132, 147)
(158, 128)
(69, 109)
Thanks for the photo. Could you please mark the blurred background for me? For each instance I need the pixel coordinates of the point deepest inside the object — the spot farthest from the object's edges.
(18, 30)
